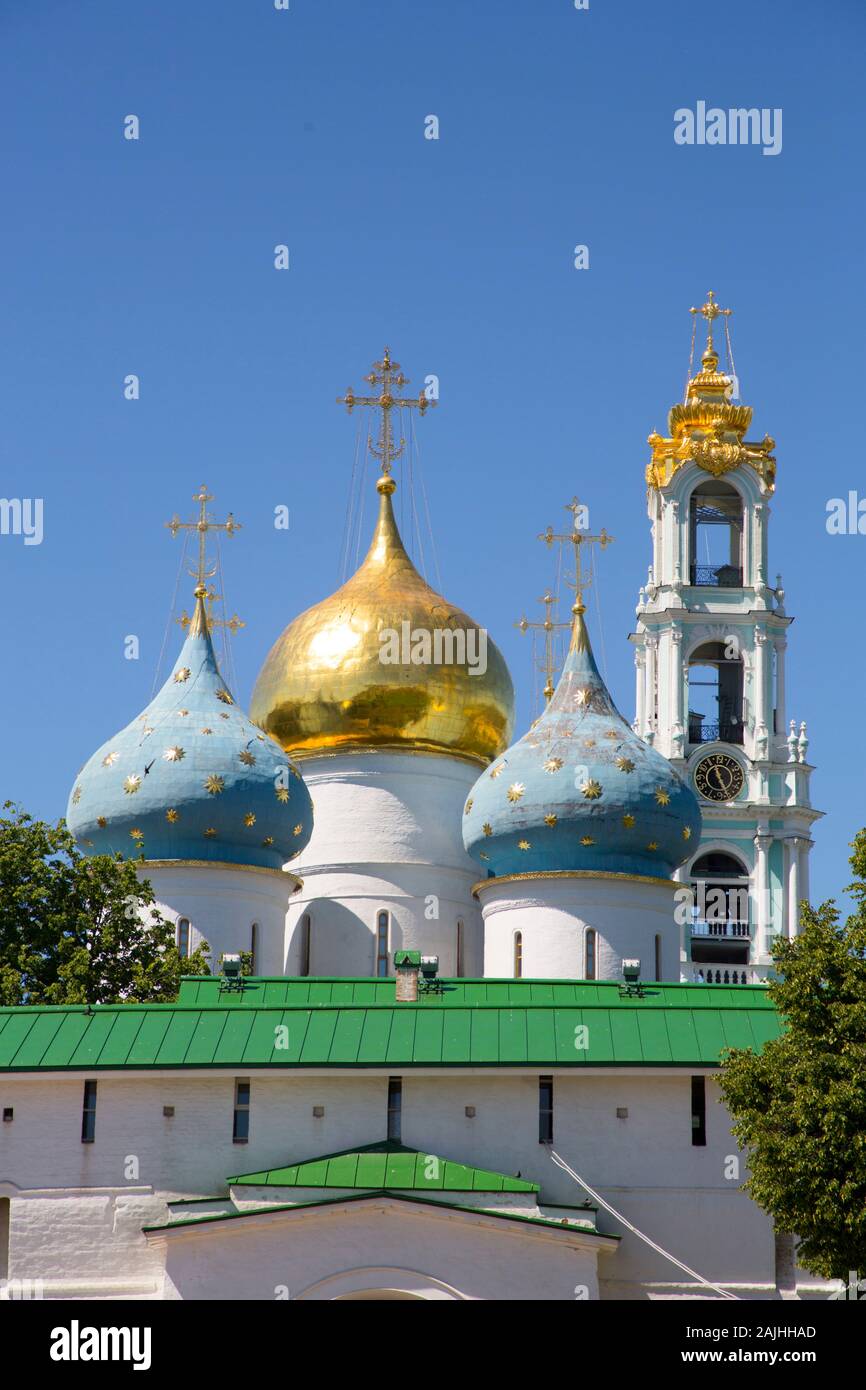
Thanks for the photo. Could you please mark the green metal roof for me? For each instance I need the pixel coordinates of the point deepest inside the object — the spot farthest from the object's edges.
(384, 1166)
(357, 1023)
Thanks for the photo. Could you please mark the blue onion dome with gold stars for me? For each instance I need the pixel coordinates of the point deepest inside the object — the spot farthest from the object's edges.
(192, 778)
(581, 790)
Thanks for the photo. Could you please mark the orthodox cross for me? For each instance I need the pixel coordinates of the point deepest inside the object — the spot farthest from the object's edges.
(387, 376)
(549, 628)
(711, 311)
(205, 570)
(578, 537)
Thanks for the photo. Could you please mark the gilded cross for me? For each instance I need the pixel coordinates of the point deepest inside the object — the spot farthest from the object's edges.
(203, 525)
(234, 623)
(711, 311)
(549, 628)
(387, 376)
(577, 537)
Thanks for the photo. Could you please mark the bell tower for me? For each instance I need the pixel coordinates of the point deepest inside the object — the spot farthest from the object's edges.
(710, 644)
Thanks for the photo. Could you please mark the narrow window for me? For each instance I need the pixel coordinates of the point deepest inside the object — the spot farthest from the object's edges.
(459, 946)
(518, 955)
(382, 945)
(589, 948)
(658, 957)
(5, 1223)
(699, 1112)
(241, 1127)
(545, 1110)
(254, 943)
(88, 1114)
(183, 937)
(305, 943)
(395, 1107)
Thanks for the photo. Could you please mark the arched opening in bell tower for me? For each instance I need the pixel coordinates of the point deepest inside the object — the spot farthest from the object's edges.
(715, 694)
(716, 535)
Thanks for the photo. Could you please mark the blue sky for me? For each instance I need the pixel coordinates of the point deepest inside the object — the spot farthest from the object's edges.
(306, 127)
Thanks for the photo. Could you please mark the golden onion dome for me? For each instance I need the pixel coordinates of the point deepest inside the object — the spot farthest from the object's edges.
(386, 663)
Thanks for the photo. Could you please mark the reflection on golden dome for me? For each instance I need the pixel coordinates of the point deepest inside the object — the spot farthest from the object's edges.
(337, 678)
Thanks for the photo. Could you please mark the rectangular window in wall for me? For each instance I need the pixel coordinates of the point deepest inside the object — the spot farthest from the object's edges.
(254, 948)
(395, 1107)
(306, 925)
(459, 948)
(658, 961)
(545, 1110)
(241, 1125)
(382, 945)
(183, 937)
(518, 955)
(88, 1114)
(699, 1112)
(589, 947)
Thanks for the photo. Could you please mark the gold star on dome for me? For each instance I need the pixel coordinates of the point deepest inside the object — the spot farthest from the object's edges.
(110, 759)
(131, 784)
(172, 816)
(523, 844)
(468, 807)
(214, 784)
(136, 834)
(249, 818)
(210, 833)
(653, 844)
(101, 822)
(687, 832)
(515, 791)
(487, 828)
(485, 857)
(553, 764)
(582, 696)
(148, 729)
(662, 797)
(589, 743)
(76, 796)
(282, 794)
(225, 697)
(298, 829)
(591, 789)
(612, 733)
(205, 731)
(550, 820)
(174, 755)
(267, 841)
(498, 769)
(625, 764)
(247, 758)
(587, 840)
(628, 821)
(183, 713)
(182, 675)
(224, 716)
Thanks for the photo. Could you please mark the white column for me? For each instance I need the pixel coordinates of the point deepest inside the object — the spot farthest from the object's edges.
(793, 883)
(805, 847)
(640, 690)
(781, 648)
(677, 732)
(762, 891)
(761, 749)
(649, 710)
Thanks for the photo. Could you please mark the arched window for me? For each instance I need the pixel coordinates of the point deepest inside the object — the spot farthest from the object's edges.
(518, 955)
(589, 945)
(254, 943)
(715, 694)
(382, 924)
(306, 933)
(183, 937)
(721, 917)
(716, 535)
(459, 947)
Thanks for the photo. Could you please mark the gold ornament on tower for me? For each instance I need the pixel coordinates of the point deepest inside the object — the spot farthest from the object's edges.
(331, 682)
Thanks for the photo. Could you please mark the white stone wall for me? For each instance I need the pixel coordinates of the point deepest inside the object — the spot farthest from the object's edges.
(387, 836)
(221, 903)
(553, 915)
(77, 1209)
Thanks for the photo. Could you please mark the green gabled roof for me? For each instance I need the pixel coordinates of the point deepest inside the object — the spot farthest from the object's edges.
(383, 1166)
(302, 1023)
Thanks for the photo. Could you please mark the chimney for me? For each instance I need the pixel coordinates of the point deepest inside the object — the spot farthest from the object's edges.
(407, 965)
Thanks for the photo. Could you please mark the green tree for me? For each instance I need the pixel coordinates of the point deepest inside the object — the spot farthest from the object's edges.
(77, 929)
(799, 1106)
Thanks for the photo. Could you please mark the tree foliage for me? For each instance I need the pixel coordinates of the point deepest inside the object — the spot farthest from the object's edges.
(799, 1106)
(77, 929)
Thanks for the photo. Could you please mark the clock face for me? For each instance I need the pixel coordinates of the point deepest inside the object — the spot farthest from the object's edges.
(719, 777)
